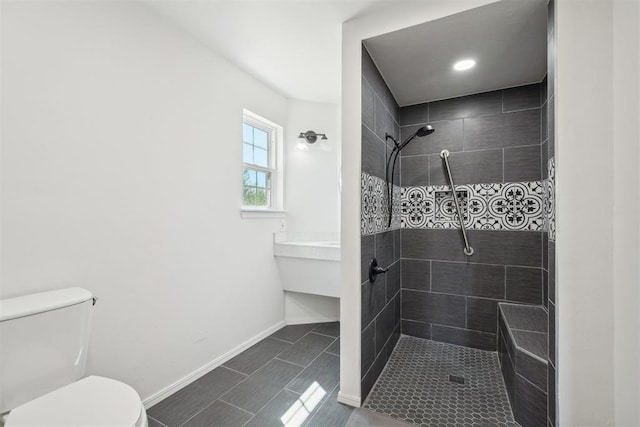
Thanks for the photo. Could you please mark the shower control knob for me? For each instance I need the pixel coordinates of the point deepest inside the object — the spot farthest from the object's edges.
(375, 269)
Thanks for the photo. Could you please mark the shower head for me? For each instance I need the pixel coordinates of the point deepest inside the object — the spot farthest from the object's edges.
(423, 131)
(391, 161)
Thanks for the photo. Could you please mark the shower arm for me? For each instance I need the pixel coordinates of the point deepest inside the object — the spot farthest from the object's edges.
(386, 175)
(390, 188)
(423, 131)
(389, 177)
(468, 250)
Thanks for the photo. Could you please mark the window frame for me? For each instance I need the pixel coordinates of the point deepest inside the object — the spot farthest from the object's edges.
(274, 169)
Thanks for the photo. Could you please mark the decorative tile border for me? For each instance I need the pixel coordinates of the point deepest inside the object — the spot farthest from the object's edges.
(374, 214)
(518, 206)
(496, 206)
(550, 200)
(446, 212)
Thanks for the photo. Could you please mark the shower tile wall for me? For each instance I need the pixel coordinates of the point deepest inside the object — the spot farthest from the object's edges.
(494, 138)
(548, 152)
(380, 301)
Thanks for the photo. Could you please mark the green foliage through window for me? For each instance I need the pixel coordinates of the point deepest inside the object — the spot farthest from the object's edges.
(258, 142)
(255, 191)
(255, 151)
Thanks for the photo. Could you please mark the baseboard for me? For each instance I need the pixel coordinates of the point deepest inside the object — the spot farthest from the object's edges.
(349, 399)
(188, 379)
(315, 319)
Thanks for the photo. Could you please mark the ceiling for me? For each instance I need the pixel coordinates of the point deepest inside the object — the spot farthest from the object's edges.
(293, 46)
(507, 39)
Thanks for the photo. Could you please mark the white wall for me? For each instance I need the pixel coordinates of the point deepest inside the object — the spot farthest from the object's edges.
(307, 308)
(312, 195)
(311, 183)
(626, 209)
(121, 173)
(597, 127)
(584, 239)
(398, 16)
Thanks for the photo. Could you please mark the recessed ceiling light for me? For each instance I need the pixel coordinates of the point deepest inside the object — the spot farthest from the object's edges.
(463, 65)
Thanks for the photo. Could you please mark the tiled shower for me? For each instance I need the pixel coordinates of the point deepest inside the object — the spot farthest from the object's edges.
(494, 141)
(380, 322)
(501, 146)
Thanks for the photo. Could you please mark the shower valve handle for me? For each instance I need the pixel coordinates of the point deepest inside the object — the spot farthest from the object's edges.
(375, 269)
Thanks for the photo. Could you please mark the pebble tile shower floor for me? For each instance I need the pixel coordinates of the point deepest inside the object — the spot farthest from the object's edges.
(416, 387)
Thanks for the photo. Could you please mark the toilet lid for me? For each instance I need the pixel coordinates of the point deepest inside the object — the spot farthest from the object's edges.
(92, 401)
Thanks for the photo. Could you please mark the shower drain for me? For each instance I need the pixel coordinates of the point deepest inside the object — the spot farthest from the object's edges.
(430, 383)
(456, 379)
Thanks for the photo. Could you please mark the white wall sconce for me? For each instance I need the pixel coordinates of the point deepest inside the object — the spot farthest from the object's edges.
(311, 137)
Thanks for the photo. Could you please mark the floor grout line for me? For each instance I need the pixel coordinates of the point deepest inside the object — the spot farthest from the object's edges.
(293, 363)
(156, 420)
(324, 335)
(206, 406)
(235, 406)
(234, 370)
(327, 350)
(220, 399)
(304, 335)
(280, 339)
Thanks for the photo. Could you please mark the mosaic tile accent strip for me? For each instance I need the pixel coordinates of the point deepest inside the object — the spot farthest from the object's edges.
(374, 215)
(446, 212)
(550, 200)
(519, 206)
(496, 206)
(416, 386)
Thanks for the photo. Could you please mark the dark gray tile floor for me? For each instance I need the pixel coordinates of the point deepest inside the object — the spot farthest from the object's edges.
(289, 378)
(416, 387)
(292, 378)
(365, 418)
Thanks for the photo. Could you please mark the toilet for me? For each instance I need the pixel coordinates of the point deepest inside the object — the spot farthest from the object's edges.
(43, 357)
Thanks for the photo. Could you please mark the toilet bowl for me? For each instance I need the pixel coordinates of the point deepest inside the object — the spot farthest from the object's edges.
(90, 402)
(45, 337)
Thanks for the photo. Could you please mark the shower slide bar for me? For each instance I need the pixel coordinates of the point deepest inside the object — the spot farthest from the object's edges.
(468, 250)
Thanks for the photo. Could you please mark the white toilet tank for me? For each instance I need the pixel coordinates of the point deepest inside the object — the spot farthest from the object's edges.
(43, 343)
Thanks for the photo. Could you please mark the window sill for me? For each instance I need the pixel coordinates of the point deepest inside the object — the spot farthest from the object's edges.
(261, 213)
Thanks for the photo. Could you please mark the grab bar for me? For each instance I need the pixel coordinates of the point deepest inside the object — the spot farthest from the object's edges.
(468, 250)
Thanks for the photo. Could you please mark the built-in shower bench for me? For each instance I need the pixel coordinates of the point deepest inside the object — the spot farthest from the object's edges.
(522, 346)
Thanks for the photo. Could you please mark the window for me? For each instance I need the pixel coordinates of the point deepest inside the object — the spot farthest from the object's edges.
(262, 158)
(258, 171)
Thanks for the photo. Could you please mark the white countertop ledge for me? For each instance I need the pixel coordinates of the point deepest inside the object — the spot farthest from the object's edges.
(262, 213)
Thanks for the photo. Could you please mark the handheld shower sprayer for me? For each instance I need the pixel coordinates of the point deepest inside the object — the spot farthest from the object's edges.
(421, 132)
